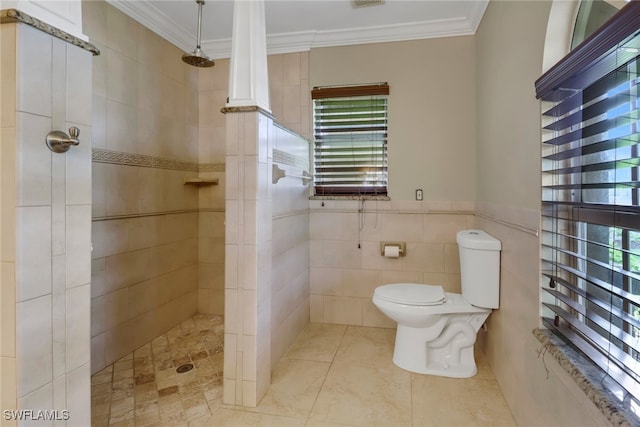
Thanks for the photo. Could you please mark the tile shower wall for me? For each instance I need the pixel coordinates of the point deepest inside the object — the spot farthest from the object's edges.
(346, 261)
(266, 262)
(247, 366)
(290, 105)
(290, 242)
(289, 91)
(145, 220)
(45, 225)
(212, 94)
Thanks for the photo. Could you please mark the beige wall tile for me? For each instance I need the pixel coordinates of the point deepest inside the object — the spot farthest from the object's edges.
(34, 333)
(40, 398)
(33, 252)
(8, 75)
(8, 310)
(172, 256)
(78, 184)
(51, 216)
(122, 126)
(361, 283)
(78, 396)
(110, 237)
(401, 277)
(372, 316)
(342, 310)
(78, 245)
(126, 269)
(122, 33)
(79, 85)
(78, 321)
(98, 190)
(121, 190)
(8, 196)
(442, 228)
(34, 162)
(8, 390)
(34, 61)
(401, 227)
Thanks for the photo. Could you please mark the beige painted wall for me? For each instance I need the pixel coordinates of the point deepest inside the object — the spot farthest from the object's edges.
(508, 126)
(431, 109)
(510, 43)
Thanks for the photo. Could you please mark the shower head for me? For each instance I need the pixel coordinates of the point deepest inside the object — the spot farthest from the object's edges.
(197, 58)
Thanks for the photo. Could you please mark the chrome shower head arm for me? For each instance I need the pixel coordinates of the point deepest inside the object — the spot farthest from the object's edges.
(198, 58)
(200, 3)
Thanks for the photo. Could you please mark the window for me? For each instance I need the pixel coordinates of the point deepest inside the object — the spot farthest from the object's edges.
(590, 198)
(350, 140)
(592, 14)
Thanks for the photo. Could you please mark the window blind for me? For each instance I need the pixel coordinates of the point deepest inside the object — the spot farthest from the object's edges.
(590, 198)
(350, 137)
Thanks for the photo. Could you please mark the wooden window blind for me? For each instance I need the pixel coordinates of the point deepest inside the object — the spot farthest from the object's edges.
(350, 139)
(590, 198)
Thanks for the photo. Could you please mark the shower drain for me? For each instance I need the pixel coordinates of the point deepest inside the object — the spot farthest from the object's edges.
(184, 368)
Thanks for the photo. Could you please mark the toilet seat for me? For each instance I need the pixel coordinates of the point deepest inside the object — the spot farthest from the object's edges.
(411, 294)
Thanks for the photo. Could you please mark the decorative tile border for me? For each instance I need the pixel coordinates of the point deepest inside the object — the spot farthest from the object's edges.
(142, 160)
(211, 167)
(588, 377)
(14, 15)
(246, 109)
(290, 159)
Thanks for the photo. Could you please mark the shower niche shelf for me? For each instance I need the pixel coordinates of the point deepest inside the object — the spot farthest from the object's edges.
(201, 181)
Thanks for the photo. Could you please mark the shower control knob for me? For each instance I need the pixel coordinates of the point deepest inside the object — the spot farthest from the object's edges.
(74, 132)
(60, 142)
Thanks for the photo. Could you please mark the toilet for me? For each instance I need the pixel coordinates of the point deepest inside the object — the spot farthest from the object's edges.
(437, 329)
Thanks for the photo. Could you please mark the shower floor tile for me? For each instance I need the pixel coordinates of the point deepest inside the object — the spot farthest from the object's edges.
(332, 375)
(144, 389)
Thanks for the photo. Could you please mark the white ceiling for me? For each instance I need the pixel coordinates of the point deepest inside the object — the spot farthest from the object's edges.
(299, 25)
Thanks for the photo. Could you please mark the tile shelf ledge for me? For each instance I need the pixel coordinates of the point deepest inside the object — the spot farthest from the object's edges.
(589, 378)
(201, 181)
(350, 197)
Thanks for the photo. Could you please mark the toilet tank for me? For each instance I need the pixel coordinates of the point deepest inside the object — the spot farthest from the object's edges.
(479, 267)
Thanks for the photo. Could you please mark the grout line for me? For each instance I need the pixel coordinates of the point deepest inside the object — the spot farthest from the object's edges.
(315, 401)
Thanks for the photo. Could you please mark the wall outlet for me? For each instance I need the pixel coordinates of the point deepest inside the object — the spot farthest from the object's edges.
(419, 195)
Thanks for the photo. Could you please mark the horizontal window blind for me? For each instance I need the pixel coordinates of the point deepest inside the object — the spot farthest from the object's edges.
(350, 140)
(590, 203)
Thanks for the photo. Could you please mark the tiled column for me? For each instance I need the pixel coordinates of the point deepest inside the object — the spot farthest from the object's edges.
(247, 356)
(248, 76)
(45, 222)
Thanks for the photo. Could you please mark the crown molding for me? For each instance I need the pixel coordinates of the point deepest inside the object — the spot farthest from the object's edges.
(149, 16)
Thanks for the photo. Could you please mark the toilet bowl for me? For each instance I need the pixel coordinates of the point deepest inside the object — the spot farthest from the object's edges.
(437, 330)
(433, 338)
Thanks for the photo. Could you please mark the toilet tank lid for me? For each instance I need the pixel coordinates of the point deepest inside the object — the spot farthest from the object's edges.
(477, 239)
(411, 293)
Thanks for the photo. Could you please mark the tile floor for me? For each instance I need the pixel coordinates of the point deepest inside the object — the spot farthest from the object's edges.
(333, 375)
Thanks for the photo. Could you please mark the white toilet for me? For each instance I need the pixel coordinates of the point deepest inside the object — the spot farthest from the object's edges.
(436, 329)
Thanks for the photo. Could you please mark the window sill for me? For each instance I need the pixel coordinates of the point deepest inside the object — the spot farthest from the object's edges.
(347, 197)
(617, 407)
